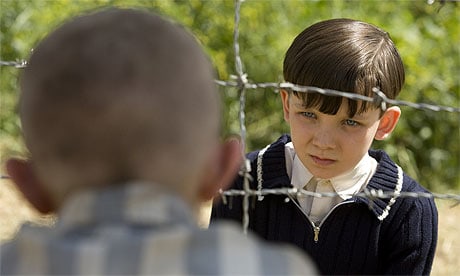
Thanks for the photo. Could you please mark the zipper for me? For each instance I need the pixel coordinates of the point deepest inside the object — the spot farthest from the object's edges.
(317, 228)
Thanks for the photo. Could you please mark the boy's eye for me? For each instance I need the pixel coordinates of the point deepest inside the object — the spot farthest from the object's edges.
(308, 114)
(350, 122)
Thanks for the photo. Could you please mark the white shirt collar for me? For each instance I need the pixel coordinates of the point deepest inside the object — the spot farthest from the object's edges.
(345, 185)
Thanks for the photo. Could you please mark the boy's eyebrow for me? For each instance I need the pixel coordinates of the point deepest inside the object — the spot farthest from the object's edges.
(359, 116)
(301, 106)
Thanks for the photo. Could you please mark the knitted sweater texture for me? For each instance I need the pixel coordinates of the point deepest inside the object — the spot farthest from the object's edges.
(359, 236)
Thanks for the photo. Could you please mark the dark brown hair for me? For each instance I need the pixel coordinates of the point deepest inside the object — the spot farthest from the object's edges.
(346, 55)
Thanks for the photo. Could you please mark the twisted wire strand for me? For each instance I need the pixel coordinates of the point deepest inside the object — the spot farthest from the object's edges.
(367, 193)
(16, 64)
(241, 83)
(379, 96)
(241, 80)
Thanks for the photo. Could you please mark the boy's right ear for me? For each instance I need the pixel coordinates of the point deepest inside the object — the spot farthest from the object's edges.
(227, 163)
(285, 100)
(388, 122)
(25, 179)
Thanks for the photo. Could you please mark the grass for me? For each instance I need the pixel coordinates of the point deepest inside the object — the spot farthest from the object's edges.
(14, 211)
(447, 258)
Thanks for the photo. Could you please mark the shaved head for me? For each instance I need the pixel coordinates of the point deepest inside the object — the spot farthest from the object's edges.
(118, 95)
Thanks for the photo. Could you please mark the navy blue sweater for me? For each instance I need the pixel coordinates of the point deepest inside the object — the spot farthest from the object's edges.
(385, 236)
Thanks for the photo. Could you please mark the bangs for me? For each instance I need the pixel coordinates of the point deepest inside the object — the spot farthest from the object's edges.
(331, 104)
(344, 79)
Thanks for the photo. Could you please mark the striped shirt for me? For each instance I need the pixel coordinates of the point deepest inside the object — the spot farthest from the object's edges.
(139, 229)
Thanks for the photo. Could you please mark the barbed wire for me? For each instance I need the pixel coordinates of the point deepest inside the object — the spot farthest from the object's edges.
(241, 79)
(367, 193)
(379, 97)
(241, 82)
(431, 2)
(16, 64)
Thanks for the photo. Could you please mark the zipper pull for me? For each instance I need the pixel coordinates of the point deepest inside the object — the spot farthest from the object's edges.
(316, 231)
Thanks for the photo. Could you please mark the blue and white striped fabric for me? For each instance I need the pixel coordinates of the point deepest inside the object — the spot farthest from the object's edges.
(138, 229)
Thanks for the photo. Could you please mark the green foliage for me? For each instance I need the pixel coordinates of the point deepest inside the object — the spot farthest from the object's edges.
(425, 144)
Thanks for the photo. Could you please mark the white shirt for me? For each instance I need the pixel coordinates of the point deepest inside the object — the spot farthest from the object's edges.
(345, 185)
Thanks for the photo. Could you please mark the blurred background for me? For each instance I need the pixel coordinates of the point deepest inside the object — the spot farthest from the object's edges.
(426, 144)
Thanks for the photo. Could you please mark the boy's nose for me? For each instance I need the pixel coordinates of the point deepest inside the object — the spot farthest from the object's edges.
(324, 139)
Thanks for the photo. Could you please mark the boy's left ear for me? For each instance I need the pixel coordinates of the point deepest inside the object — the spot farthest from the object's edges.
(388, 122)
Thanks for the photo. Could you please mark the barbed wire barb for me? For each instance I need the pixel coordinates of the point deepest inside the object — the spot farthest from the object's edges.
(378, 94)
(17, 64)
(241, 82)
(367, 193)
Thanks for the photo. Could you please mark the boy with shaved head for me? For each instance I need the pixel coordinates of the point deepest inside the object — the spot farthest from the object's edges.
(121, 117)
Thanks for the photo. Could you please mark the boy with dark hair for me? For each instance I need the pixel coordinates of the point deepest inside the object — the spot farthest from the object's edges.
(121, 116)
(328, 152)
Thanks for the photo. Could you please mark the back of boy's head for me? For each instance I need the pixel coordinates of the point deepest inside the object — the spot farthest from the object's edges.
(345, 55)
(118, 95)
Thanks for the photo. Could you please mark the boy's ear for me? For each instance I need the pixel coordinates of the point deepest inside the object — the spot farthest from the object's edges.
(285, 100)
(224, 169)
(23, 176)
(388, 122)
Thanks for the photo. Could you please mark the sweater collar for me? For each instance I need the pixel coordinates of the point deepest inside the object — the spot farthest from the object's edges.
(387, 178)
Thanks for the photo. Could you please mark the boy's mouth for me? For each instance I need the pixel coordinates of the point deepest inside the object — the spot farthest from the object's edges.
(322, 161)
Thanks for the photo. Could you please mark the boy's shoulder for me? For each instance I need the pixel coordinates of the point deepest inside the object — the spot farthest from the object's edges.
(390, 178)
(390, 173)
